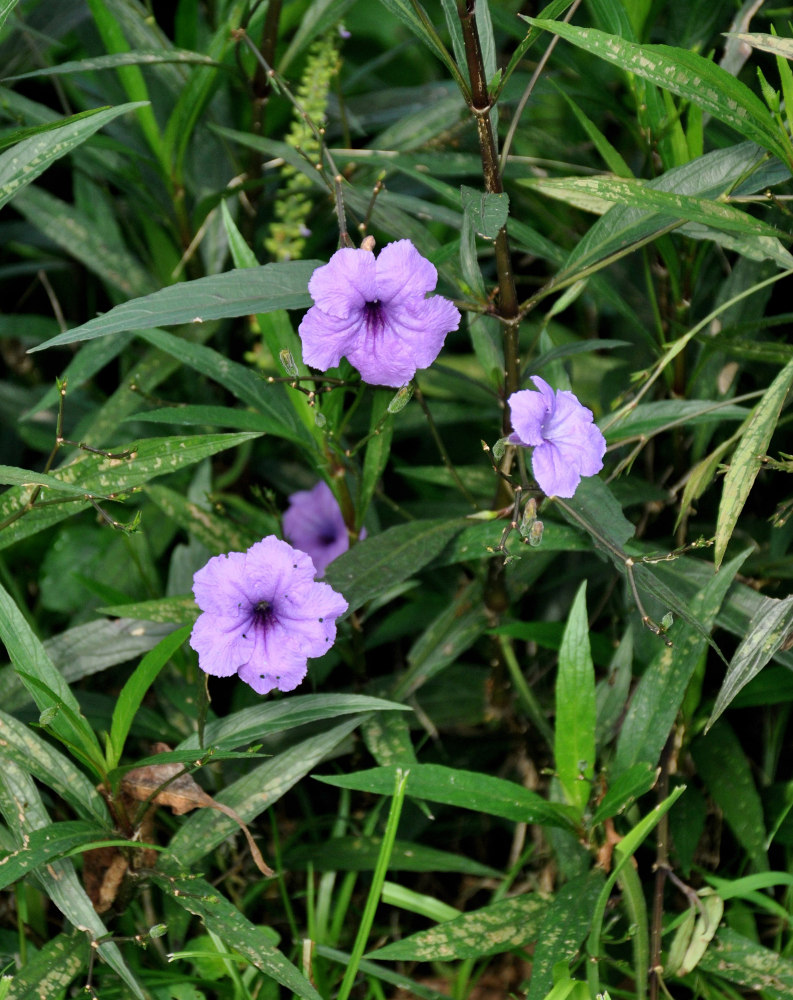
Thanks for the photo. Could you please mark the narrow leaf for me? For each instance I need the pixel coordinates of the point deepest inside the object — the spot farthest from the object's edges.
(27, 159)
(139, 57)
(727, 774)
(660, 692)
(509, 923)
(47, 974)
(218, 296)
(256, 791)
(686, 74)
(45, 684)
(768, 631)
(747, 459)
(743, 961)
(574, 742)
(465, 789)
(589, 192)
(134, 691)
(378, 563)
(564, 927)
(224, 919)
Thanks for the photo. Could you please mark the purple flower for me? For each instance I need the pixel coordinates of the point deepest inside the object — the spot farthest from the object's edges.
(374, 311)
(567, 444)
(263, 615)
(314, 523)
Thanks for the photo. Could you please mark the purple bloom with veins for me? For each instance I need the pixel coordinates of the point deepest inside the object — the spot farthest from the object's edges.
(567, 444)
(263, 616)
(314, 523)
(375, 312)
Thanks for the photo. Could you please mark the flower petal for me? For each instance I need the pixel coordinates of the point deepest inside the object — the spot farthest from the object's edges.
(314, 523)
(326, 338)
(216, 645)
(528, 411)
(218, 586)
(346, 283)
(403, 273)
(555, 475)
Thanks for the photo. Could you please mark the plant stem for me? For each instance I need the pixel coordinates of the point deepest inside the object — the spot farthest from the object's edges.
(480, 104)
(376, 887)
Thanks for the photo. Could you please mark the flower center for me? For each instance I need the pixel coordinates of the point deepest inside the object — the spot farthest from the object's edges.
(374, 317)
(262, 612)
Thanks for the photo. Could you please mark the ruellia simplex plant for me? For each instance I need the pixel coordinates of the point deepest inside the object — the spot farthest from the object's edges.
(394, 548)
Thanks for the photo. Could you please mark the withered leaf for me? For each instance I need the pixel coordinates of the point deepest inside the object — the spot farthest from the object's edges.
(169, 785)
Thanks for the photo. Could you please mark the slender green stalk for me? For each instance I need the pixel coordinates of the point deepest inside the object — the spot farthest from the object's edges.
(376, 888)
(524, 692)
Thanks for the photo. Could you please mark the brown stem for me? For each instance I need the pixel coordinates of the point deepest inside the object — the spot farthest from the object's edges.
(480, 104)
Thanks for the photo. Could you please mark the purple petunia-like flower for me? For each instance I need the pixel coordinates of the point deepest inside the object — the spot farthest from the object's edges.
(375, 312)
(263, 616)
(567, 444)
(314, 523)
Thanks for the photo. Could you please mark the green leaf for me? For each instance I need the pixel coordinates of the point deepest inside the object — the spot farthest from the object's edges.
(488, 212)
(387, 738)
(623, 229)
(650, 418)
(416, 18)
(623, 792)
(48, 973)
(45, 845)
(660, 692)
(596, 505)
(221, 917)
(10, 476)
(139, 57)
(686, 74)
(465, 789)
(359, 854)
(748, 459)
(445, 639)
(378, 449)
(77, 233)
(250, 795)
(728, 777)
(47, 764)
(6, 6)
(623, 853)
(597, 193)
(280, 716)
(149, 459)
(767, 633)
(574, 740)
(132, 694)
(509, 923)
(180, 609)
(763, 42)
(218, 296)
(378, 563)
(45, 684)
(218, 534)
(743, 961)
(564, 927)
(29, 158)
(24, 812)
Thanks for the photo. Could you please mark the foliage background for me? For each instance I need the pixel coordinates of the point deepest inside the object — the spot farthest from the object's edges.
(499, 777)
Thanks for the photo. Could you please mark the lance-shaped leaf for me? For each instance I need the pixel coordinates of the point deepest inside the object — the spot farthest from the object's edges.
(29, 158)
(218, 296)
(748, 459)
(596, 193)
(506, 924)
(768, 631)
(686, 74)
